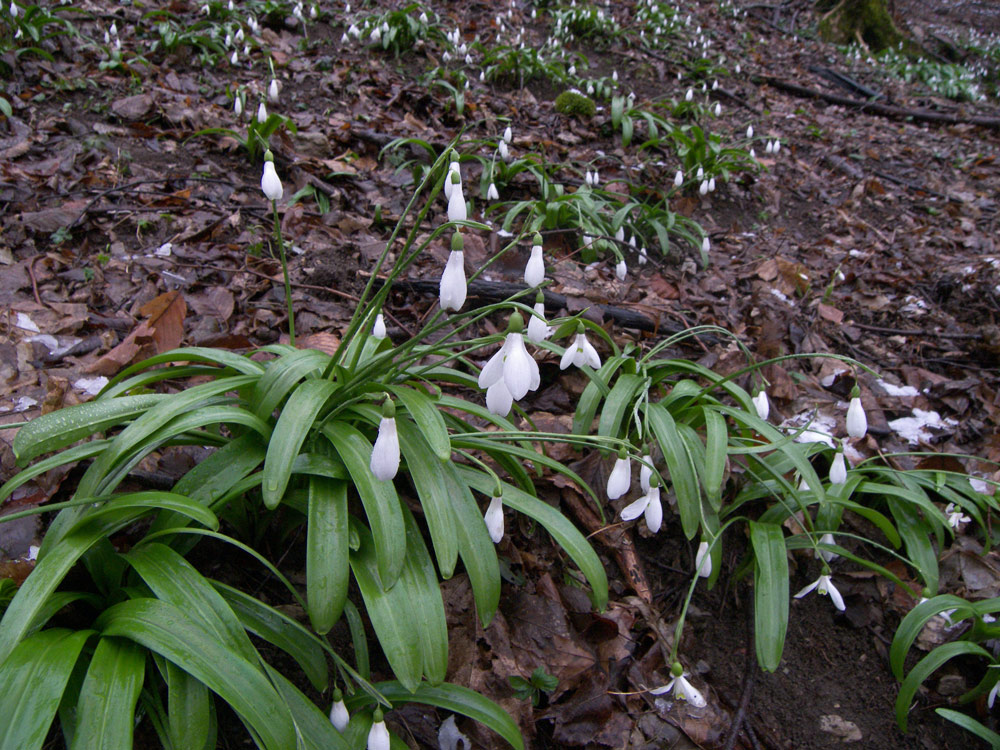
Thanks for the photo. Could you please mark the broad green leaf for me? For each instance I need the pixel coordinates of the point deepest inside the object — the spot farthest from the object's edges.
(716, 441)
(106, 710)
(914, 622)
(915, 532)
(618, 403)
(378, 497)
(682, 472)
(923, 669)
(312, 726)
(190, 715)
(389, 612)
(970, 725)
(68, 456)
(592, 395)
(770, 593)
(319, 465)
(327, 547)
(280, 377)
(427, 418)
(426, 610)
(359, 639)
(32, 680)
(221, 357)
(294, 425)
(165, 629)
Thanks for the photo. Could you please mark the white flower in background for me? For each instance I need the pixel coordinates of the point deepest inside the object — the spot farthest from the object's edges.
(703, 561)
(769, 148)
(457, 210)
(678, 178)
(452, 167)
(857, 422)
(706, 244)
(711, 184)
(423, 17)
(354, 31)
(620, 478)
(649, 506)
(273, 93)
(700, 174)
(339, 716)
(689, 95)
(597, 179)
(581, 352)
(228, 41)
(234, 59)
(682, 689)
(270, 183)
(955, 515)
(749, 131)
(825, 554)
(378, 330)
(512, 363)
(492, 194)
(113, 30)
(378, 735)
(642, 256)
(761, 404)
(645, 472)
(538, 328)
(777, 145)
(718, 109)
(588, 178)
(534, 269)
(503, 150)
(614, 76)
(753, 153)
(313, 12)
(238, 106)
(240, 36)
(261, 113)
(838, 469)
(824, 586)
(620, 234)
(703, 187)
(385, 453)
(246, 50)
(621, 270)
(993, 693)
(376, 35)
(453, 285)
(508, 134)
(494, 519)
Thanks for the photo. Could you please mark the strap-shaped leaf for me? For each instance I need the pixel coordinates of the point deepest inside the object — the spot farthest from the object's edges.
(914, 622)
(682, 471)
(590, 399)
(294, 424)
(971, 725)
(716, 441)
(915, 532)
(68, 456)
(770, 577)
(425, 471)
(327, 546)
(57, 429)
(564, 532)
(190, 711)
(426, 606)
(427, 417)
(106, 709)
(165, 629)
(923, 669)
(224, 359)
(281, 376)
(32, 681)
(397, 632)
(618, 403)
(312, 726)
(378, 497)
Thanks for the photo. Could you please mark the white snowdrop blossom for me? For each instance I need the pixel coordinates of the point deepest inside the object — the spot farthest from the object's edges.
(621, 270)
(706, 244)
(234, 58)
(718, 109)
(385, 453)
(597, 178)
(581, 352)
(378, 735)
(538, 328)
(238, 106)
(588, 178)
(378, 330)
(261, 113)
(376, 35)
(761, 404)
(643, 258)
(703, 561)
(508, 134)
(645, 472)
(453, 284)
(339, 716)
(273, 93)
(512, 363)
(498, 399)
(270, 183)
(711, 184)
(749, 131)
(955, 515)
(689, 95)
(678, 178)
(649, 506)
(993, 695)
(682, 690)
(620, 478)
(857, 422)
(457, 210)
(700, 174)
(492, 194)
(769, 148)
(838, 469)
(494, 519)
(503, 150)
(777, 145)
(534, 269)
(825, 554)
(452, 167)
(703, 187)
(824, 586)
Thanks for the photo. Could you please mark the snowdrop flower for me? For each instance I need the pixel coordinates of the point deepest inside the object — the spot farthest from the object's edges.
(453, 285)
(678, 178)
(838, 469)
(823, 586)
(246, 50)
(621, 270)
(614, 76)
(354, 31)
(385, 453)
(231, 6)
(457, 210)
(313, 12)
(238, 106)
(452, 167)
(706, 244)
(761, 404)
(955, 516)
(703, 187)
(376, 35)
(642, 256)
(769, 148)
(239, 35)
(682, 689)
(857, 422)
(234, 59)
(534, 270)
(737, 68)
(338, 712)
(645, 472)
(581, 352)
(689, 95)
(494, 518)
(113, 30)
(825, 554)
(512, 363)
(272, 91)
(753, 153)
(703, 561)
(508, 134)
(588, 178)
(423, 17)
(378, 330)
(749, 131)
(538, 329)
(492, 194)
(228, 41)
(261, 112)
(503, 150)
(993, 694)
(648, 506)
(711, 184)
(777, 145)
(468, 61)
(700, 174)
(378, 735)
(270, 183)
(718, 109)
(498, 399)
(620, 478)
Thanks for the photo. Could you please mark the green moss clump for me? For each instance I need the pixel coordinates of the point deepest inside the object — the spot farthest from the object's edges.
(576, 104)
(867, 21)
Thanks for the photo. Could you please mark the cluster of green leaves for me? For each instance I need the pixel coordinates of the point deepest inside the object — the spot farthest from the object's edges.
(258, 136)
(584, 22)
(32, 30)
(658, 23)
(697, 148)
(950, 80)
(171, 34)
(514, 65)
(532, 688)
(400, 30)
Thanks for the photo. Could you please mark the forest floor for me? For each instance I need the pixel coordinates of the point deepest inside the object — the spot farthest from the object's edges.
(868, 234)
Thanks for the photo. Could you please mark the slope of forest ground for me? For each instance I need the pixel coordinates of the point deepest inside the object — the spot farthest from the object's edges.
(868, 234)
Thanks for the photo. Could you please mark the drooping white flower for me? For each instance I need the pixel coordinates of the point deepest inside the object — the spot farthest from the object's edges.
(378, 330)
(534, 269)
(689, 95)
(385, 453)
(234, 59)
(645, 472)
(423, 17)
(823, 586)
(538, 328)
(581, 352)
(498, 399)
(711, 184)
(503, 150)
(597, 178)
(238, 106)
(376, 35)
(113, 30)
(769, 148)
(857, 422)
(508, 134)
(378, 735)
(620, 478)
(643, 258)
(453, 284)
(453, 166)
(678, 178)
(683, 690)
(494, 519)
(273, 93)
(993, 695)
(825, 554)
(706, 244)
(492, 194)
(512, 363)
(649, 506)
(749, 131)
(838, 469)
(718, 109)
(703, 187)
(588, 178)
(261, 113)
(955, 515)
(457, 210)
(339, 716)
(703, 561)
(621, 270)
(270, 183)
(761, 404)
(700, 174)
(777, 145)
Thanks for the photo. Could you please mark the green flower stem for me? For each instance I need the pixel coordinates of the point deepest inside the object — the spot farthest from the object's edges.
(284, 270)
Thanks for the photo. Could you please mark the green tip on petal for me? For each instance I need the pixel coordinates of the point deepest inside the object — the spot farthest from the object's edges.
(338, 695)
(622, 453)
(855, 392)
(676, 669)
(654, 481)
(540, 298)
(268, 156)
(537, 239)
(455, 178)
(457, 242)
(377, 716)
(388, 408)
(515, 323)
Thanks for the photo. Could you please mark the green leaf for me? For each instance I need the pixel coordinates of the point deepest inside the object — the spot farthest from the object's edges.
(716, 440)
(32, 680)
(281, 376)
(327, 547)
(915, 532)
(68, 456)
(590, 399)
(313, 727)
(190, 715)
(378, 497)
(426, 610)
(923, 669)
(294, 424)
(770, 593)
(106, 709)
(914, 622)
(427, 417)
(165, 629)
(682, 472)
(970, 725)
(618, 403)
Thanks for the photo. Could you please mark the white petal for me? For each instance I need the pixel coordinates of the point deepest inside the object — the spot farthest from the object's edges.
(654, 510)
(498, 399)
(807, 589)
(825, 553)
(590, 355)
(762, 405)
(620, 478)
(685, 690)
(378, 330)
(492, 194)
(538, 329)
(378, 737)
(339, 716)
(272, 91)
(826, 587)
(270, 183)
(453, 167)
(993, 695)
(857, 422)
(385, 453)
(568, 356)
(838, 470)
(453, 286)
(457, 210)
(678, 178)
(519, 369)
(636, 509)
(494, 520)
(703, 561)
(534, 270)
(493, 371)
(621, 270)
(645, 472)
